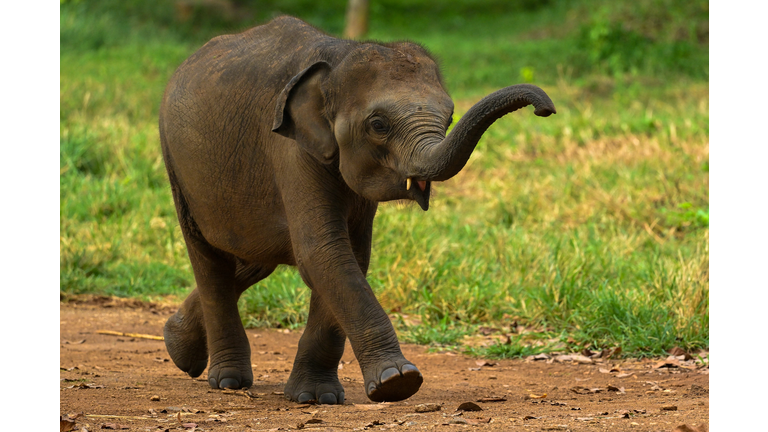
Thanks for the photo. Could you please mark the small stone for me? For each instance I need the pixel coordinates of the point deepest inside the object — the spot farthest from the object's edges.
(669, 408)
(154, 398)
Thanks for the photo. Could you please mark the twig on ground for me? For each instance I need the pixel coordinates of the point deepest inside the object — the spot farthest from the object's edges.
(133, 335)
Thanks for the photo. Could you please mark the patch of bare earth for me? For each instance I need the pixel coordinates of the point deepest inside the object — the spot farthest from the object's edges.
(108, 381)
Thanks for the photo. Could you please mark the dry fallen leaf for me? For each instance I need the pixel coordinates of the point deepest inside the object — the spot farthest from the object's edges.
(114, 426)
(533, 396)
(370, 406)
(313, 421)
(485, 331)
(477, 421)
(578, 358)
(669, 362)
(469, 406)
(677, 351)
(86, 386)
(686, 428)
(482, 363)
(454, 421)
(669, 408)
(582, 359)
(608, 353)
(493, 399)
(428, 407)
(584, 390)
(66, 424)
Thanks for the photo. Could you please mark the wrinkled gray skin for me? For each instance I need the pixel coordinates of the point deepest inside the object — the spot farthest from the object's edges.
(279, 142)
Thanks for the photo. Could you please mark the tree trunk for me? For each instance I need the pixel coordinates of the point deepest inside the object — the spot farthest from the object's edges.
(357, 19)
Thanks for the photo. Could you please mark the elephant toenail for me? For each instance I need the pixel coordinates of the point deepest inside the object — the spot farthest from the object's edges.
(305, 397)
(212, 382)
(371, 387)
(409, 369)
(327, 399)
(389, 374)
(229, 383)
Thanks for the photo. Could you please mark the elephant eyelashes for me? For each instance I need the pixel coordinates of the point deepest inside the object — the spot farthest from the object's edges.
(379, 125)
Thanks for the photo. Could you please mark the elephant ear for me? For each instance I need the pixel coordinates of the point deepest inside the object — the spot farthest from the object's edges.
(300, 113)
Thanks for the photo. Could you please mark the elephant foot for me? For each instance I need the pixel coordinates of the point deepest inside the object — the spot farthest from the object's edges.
(230, 374)
(308, 384)
(185, 341)
(396, 381)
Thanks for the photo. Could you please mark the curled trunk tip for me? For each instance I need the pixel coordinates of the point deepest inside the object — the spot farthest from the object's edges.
(445, 159)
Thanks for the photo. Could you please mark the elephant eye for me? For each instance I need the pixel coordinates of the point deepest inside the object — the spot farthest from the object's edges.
(379, 125)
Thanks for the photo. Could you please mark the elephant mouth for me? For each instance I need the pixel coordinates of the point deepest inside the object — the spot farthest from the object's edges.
(418, 190)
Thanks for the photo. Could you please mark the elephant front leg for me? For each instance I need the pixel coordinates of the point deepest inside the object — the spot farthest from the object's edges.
(388, 375)
(343, 288)
(315, 371)
(330, 231)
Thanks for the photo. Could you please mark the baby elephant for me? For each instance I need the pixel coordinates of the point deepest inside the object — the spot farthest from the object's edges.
(279, 142)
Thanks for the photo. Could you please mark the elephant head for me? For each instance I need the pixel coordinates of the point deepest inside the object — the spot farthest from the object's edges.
(383, 113)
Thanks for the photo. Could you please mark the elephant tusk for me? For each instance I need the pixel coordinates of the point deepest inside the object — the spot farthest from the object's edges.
(408, 184)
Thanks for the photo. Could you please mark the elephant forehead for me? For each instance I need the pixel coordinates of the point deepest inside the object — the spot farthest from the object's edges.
(374, 63)
(411, 92)
(412, 104)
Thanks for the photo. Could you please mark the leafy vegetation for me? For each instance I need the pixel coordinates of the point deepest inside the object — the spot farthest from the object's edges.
(590, 227)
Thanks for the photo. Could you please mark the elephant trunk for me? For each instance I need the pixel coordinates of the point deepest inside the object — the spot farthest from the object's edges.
(444, 159)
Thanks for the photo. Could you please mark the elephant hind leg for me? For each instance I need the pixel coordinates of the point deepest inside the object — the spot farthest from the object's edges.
(246, 275)
(315, 371)
(184, 332)
(185, 337)
(208, 323)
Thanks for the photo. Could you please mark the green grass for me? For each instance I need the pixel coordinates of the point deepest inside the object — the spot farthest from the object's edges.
(590, 228)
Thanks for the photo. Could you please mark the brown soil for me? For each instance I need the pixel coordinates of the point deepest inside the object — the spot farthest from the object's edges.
(123, 382)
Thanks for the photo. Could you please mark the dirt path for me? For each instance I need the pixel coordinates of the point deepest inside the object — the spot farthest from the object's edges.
(129, 383)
